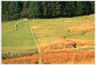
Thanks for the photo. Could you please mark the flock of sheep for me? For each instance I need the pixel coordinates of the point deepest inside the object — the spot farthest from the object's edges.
(17, 24)
(66, 21)
(38, 20)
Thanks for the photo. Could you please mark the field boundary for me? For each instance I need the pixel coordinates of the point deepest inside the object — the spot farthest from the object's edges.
(35, 42)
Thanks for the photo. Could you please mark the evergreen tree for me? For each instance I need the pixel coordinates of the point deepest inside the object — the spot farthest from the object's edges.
(67, 9)
(51, 8)
(5, 10)
(14, 10)
(73, 8)
(92, 6)
(88, 8)
(25, 10)
(44, 8)
(34, 9)
(63, 4)
(79, 8)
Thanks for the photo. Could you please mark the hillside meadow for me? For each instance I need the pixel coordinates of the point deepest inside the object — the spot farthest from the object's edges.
(52, 35)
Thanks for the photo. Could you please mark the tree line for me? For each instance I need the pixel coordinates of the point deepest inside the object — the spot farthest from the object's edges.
(13, 10)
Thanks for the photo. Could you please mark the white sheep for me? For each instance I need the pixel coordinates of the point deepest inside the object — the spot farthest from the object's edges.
(61, 21)
(36, 20)
(33, 20)
(49, 20)
(69, 21)
(57, 20)
(15, 28)
(65, 21)
(77, 48)
(88, 21)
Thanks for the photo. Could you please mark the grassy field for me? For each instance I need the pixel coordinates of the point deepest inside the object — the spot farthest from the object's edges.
(46, 32)
(17, 40)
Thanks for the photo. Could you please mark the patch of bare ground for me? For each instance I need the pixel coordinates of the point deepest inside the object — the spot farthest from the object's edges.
(57, 57)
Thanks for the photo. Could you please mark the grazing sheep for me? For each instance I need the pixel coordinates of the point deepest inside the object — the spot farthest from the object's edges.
(88, 21)
(49, 20)
(77, 48)
(65, 21)
(80, 21)
(15, 28)
(36, 20)
(33, 20)
(57, 20)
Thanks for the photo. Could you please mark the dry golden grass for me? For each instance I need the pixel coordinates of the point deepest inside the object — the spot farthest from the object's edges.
(84, 27)
(49, 35)
(35, 27)
(62, 45)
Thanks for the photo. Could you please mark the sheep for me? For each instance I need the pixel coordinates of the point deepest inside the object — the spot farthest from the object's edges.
(69, 21)
(77, 48)
(57, 20)
(36, 20)
(65, 21)
(15, 28)
(88, 21)
(33, 20)
(49, 20)
(61, 21)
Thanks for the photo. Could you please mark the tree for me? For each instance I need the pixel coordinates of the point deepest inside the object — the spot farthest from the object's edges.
(88, 8)
(14, 10)
(92, 6)
(34, 9)
(51, 8)
(5, 10)
(24, 12)
(79, 8)
(68, 8)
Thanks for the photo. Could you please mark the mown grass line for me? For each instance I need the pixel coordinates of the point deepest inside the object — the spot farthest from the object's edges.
(35, 42)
